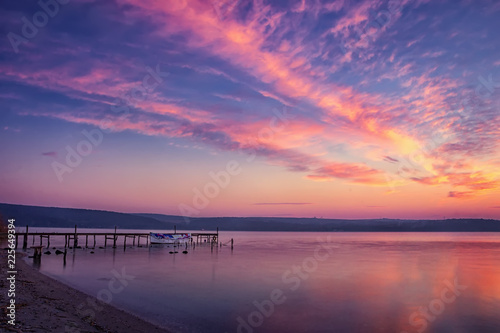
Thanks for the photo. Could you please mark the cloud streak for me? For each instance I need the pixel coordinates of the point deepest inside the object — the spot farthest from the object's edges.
(282, 203)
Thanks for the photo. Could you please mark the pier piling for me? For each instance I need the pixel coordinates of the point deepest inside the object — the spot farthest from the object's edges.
(25, 239)
(75, 241)
(71, 238)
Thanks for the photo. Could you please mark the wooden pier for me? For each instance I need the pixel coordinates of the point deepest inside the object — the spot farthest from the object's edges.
(73, 239)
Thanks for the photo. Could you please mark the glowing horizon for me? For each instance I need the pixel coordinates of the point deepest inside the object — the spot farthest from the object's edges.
(374, 109)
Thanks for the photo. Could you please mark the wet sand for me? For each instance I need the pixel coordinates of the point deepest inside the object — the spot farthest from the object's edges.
(46, 305)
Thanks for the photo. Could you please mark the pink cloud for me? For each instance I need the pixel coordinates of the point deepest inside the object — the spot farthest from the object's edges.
(460, 195)
(475, 183)
(357, 173)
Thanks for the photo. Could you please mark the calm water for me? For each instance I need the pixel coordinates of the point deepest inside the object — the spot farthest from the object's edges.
(302, 282)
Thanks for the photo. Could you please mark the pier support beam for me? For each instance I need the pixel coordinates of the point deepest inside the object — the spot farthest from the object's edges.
(71, 238)
(25, 240)
(75, 241)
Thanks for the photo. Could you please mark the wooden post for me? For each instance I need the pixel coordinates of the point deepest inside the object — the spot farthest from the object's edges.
(17, 240)
(86, 241)
(94, 242)
(75, 241)
(105, 240)
(25, 240)
(48, 241)
(232, 243)
(38, 252)
(114, 239)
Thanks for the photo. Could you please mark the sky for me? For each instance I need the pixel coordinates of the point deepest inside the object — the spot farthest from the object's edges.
(307, 108)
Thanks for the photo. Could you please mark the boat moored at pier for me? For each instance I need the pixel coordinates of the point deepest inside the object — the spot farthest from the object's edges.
(160, 238)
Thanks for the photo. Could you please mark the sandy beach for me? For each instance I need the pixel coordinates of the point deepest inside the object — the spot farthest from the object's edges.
(46, 305)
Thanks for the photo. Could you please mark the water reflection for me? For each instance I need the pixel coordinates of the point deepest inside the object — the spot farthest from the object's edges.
(329, 282)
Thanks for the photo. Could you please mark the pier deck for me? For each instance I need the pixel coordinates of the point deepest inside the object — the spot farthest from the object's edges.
(74, 237)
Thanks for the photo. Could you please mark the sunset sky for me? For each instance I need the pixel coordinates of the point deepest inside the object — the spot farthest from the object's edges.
(343, 109)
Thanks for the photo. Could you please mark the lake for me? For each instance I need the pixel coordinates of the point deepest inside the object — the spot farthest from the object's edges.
(299, 282)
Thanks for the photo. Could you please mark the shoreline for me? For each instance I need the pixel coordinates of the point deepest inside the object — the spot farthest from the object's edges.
(45, 304)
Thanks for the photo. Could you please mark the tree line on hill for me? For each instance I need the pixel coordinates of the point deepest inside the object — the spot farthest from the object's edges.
(35, 216)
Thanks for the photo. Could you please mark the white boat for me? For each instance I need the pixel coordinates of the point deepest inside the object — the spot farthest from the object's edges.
(158, 238)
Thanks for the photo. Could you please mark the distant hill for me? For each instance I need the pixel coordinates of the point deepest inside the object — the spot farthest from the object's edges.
(86, 218)
(311, 224)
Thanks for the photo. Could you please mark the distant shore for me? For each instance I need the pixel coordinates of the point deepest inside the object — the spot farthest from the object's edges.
(53, 217)
(44, 304)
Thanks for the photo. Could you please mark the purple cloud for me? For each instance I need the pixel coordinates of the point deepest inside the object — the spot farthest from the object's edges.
(50, 153)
